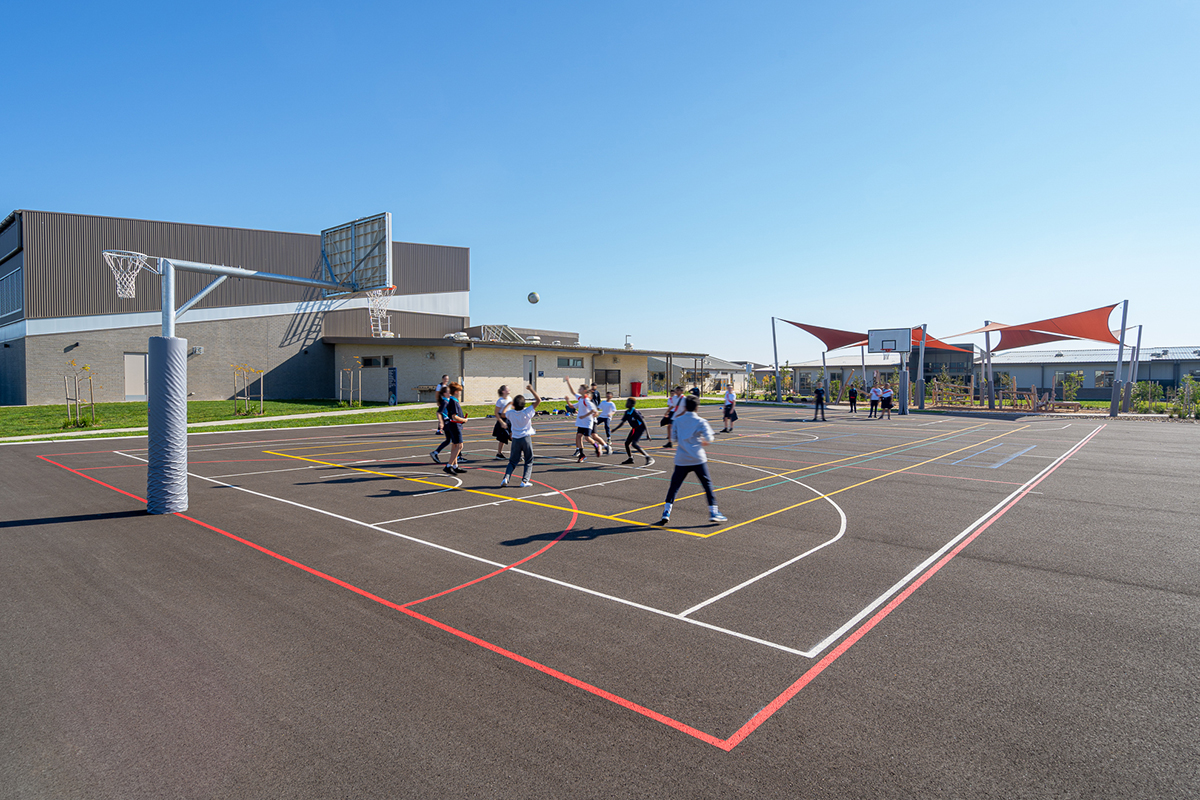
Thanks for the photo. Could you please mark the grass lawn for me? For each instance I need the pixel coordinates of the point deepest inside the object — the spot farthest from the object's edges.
(51, 420)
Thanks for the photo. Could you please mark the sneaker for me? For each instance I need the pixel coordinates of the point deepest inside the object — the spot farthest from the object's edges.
(434, 456)
(526, 484)
(664, 521)
(504, 481)
(501, 456)
(582, 458)
(668, 444)
(449, 470)
(608, 450)
(458, 470)
(627, 461)
(717, 516)
(649, 461)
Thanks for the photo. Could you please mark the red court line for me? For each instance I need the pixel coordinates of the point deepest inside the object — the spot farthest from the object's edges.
(778, 703)
(570, 525)
(725, 744)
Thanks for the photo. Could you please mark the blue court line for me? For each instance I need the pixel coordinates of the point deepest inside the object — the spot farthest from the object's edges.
(864, 461)
(981, 452)
(998, 464)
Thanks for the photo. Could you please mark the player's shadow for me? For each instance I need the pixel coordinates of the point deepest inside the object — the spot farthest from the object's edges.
(575, 535)
(24, 523)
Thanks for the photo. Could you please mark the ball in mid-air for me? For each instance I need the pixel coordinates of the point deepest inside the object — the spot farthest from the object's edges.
(533, 297)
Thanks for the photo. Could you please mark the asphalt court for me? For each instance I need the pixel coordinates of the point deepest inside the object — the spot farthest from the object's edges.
(708, 631)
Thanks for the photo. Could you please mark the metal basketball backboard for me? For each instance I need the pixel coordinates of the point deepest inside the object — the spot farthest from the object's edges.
(889, 340)
(358, 254)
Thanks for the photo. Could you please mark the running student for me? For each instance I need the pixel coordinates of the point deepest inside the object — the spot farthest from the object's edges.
(729, 416)
(445, 381)
(443, 394)
(692, 432)
(453, 419)
(607, 409)
(520, 417)
(885, 398)
(502, 430)
(853, 395)
(876, 393)
(637, 428)
(673, 410)
(585, 417)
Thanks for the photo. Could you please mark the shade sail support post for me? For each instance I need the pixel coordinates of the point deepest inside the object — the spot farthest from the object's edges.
(1116, 381)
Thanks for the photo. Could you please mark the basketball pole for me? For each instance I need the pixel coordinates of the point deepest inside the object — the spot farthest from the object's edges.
(921, 369)
(1116, 381)
(1131, 372)
(775, 346)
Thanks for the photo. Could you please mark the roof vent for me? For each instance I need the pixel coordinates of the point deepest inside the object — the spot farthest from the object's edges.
(1058, 355)
(533, 339)
(556, 342)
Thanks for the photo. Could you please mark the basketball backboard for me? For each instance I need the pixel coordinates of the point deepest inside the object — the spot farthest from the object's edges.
(358, 254)
(889, 340)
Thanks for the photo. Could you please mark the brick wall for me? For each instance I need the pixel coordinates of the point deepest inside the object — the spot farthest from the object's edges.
(414, 367)
(296, 366)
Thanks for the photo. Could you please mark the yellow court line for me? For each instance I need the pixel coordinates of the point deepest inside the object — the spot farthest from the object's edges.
(815, 466)
(862, 483)
(633, 522)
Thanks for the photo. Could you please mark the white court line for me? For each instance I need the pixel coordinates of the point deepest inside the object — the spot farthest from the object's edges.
(267, 471)
(489, 562)
(810, 653)
(917, 570)
(841, 532)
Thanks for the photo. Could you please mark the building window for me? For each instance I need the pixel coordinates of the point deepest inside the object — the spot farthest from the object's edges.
(375, 361)
(608, 377)
(570, 363)
(1104, 379)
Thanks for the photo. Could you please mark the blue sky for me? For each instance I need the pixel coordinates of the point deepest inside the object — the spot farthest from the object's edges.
(679, 172)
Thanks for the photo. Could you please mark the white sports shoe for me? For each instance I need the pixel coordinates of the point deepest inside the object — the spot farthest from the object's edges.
(717, 516)
(526, 484)
(504, 481)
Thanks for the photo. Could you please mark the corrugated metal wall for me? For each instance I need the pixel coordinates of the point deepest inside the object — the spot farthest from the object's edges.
(405, 324)
(66, 276)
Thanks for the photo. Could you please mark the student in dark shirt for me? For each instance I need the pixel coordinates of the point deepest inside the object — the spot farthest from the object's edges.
(819, 403)
(637, 429)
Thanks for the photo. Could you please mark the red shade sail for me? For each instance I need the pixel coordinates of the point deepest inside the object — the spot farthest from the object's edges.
(1092, 325)
(1011, 338)
(831, 337)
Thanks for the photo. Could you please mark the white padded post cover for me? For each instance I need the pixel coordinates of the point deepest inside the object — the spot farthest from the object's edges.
(166, 478)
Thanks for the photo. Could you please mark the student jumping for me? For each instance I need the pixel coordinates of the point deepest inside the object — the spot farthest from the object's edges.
(692, 432)
(520, 417)
(585, 417)
(637, 428)
(502, 431)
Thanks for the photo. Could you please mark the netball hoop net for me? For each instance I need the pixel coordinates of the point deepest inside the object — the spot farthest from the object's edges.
(125, 266)
(377, 307)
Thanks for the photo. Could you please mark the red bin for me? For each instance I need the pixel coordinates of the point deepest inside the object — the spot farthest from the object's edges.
(635, 388)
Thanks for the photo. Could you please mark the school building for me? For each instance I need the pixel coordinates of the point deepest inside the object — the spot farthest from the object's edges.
(58, 304)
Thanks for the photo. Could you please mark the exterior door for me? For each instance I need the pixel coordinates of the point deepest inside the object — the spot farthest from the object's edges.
(530, 372)
(135, 376)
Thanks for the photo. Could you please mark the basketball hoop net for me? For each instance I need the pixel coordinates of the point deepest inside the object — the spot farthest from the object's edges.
(377, 307)
(125, 266)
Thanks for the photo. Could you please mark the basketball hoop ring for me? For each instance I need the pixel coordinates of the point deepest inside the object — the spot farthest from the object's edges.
(125, 265)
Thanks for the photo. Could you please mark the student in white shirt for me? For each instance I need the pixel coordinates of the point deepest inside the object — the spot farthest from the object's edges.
(441, 385)
(585, 418)
(876, 393)
(673, 410)
(607, 409)
(692, 432)
(730, 415)
(520, 417)
(501, 430)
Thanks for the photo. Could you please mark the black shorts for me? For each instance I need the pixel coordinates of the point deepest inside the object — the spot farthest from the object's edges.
(634, 435)
(887, 402)
(453, 432)
(585, 432)
(501, 432)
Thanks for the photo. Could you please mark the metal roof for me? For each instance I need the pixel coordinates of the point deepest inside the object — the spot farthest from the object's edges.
(1099, 355)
